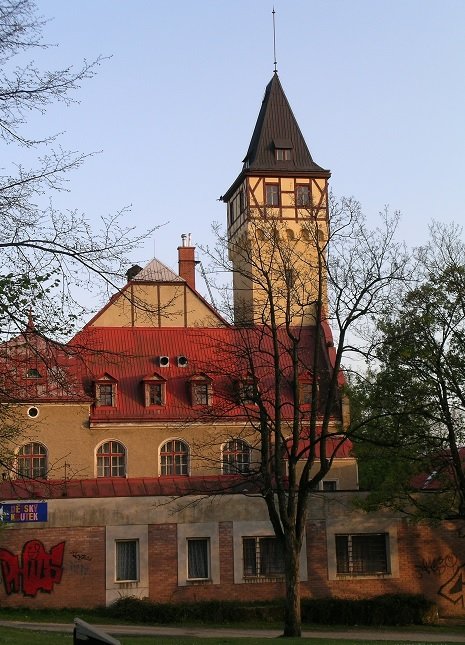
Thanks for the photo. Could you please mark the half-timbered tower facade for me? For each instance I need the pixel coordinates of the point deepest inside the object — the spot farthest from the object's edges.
(277, 218)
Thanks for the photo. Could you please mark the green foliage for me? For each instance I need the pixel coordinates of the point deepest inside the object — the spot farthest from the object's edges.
(410, 408)
(392, 609)
(214, 611)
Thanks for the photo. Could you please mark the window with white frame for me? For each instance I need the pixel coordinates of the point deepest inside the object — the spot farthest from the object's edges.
(362, 554)
(111, 459)
(198, 558)
(272, 194)
(174, 458)
(262, 557)
(127, 560)
(302, 195)
(236, 457)
(31, 461)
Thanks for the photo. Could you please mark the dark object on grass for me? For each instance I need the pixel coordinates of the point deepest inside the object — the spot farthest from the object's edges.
(85, 633)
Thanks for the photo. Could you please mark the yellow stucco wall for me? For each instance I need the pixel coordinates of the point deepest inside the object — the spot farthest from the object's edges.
(157, 305)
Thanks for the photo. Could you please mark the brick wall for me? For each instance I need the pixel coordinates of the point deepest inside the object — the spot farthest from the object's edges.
(82, 572)
(431, 561)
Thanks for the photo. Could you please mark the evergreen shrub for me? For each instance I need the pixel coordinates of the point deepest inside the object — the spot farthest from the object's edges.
(390, 609)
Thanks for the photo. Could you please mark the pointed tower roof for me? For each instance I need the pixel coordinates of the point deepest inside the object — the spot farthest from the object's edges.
(277, 128)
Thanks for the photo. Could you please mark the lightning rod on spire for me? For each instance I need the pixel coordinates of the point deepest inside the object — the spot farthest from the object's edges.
(274, 42)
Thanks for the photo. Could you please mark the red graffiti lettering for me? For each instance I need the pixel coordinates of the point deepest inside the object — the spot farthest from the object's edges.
(38, 570)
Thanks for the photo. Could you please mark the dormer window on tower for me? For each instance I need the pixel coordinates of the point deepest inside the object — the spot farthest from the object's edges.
(282, 149)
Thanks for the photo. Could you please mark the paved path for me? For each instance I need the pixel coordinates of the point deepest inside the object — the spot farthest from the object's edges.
(229, 632)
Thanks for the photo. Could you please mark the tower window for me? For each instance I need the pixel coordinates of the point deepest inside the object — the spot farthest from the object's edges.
(302, 195)
(283, 154)
(272, 194)
(283, 149)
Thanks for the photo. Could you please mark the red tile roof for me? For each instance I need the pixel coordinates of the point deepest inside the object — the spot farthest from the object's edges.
(121, 487)
(224, 355)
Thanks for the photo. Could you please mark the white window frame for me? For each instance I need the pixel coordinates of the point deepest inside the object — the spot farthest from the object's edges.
(137, 562)
(360, 524)
(197, 531)
(206, 541)
(115, 589)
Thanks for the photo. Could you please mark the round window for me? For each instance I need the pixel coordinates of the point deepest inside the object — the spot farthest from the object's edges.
(33, 412)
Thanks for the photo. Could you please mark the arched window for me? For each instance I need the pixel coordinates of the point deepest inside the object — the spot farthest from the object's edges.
(174, 458)
(236, 457)
(290, 234)
(111, 459)
(32, 461)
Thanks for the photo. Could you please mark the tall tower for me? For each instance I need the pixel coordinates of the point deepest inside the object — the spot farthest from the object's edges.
(277, 220)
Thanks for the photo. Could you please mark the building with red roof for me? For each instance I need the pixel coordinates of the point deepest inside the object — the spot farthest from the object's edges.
(139, 467)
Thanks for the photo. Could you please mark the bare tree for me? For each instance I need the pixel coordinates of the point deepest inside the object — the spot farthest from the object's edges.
(333, 275)
(44, 253)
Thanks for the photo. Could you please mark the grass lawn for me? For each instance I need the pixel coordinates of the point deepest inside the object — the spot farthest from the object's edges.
(27, 637)
(12, 636)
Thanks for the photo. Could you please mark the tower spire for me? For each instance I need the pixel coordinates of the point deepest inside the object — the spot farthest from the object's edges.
(274, 42)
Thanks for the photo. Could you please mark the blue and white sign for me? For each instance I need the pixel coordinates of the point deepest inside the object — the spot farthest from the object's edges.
(24, 512)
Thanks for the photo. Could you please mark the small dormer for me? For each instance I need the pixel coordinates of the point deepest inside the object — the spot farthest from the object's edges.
(247, 390)
(106, 391)
(154, 387)
(282, 149)
(201, 390)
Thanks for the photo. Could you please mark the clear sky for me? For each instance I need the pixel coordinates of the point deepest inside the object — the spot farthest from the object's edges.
(377, 87)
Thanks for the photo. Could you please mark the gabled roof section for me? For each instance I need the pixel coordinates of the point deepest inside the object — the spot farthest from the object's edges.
(276, 125)
(156, 271)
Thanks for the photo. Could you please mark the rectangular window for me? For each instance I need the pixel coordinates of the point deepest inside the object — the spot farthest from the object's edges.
(263, 557)
(200, 393)
(127, 560)
(105, 394)
(198, 558)
(272, 194)
(363, 554)
(302, 195)
(305, 392)
(329, 485)
(154, 394)
(283, 154)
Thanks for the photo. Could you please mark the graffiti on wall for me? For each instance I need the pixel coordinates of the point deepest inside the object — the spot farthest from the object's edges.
(436, 566)
(35, 570)
(453, 589)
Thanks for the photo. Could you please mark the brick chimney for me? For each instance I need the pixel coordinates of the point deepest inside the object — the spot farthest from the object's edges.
(186, 258)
